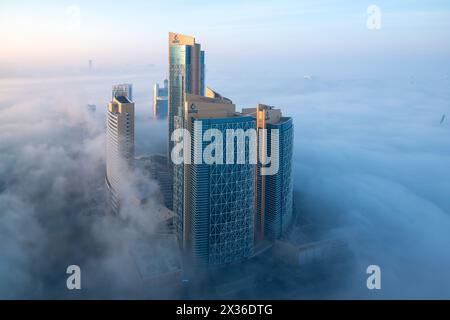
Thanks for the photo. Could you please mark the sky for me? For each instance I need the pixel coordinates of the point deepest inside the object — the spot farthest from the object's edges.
(57, 34)
(370, 152)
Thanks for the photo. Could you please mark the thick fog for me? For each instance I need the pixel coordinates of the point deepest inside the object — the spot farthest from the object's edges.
(374, 156)
(52, 197)
(371, 163)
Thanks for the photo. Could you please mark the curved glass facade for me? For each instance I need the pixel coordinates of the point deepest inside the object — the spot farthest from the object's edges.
(278, 188)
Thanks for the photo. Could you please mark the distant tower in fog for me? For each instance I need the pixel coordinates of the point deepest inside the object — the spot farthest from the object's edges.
(119, 147)
(90, 65)
(160, 100)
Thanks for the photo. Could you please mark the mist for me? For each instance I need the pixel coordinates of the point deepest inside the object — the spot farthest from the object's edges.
(371, 162)
(52, 196)
(371, 165)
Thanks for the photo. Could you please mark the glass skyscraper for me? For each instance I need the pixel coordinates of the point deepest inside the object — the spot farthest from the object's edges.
(160, 100)
(186, 76)
(274, 193)
(219, 213)
(279, 187)
(222, 209)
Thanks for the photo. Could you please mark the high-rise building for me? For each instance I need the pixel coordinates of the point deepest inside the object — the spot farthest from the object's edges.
(186, 75)
(220, 209)
(160, 96)
(123, 90)
(217, 221)
(119, 147)
(274, 214)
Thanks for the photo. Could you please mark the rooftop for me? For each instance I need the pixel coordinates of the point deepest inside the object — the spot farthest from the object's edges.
(122, 99)
(180, 39)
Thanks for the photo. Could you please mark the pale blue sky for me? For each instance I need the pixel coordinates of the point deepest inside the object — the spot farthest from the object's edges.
(136, 31)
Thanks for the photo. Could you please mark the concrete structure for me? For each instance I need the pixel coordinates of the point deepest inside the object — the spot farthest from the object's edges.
(119, 147)
(274, 214)
(214, 216)
(160, 102)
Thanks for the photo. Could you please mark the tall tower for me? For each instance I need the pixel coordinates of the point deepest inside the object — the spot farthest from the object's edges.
(217, 221)
(186, 76)
(160, 100)
(119, 147)
(274, 192)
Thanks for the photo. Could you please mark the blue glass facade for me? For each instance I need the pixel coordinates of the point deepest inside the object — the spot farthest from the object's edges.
(160, 109)
(184, 71)
(160, 100)
(222, 201)
(179, 59)
(278, 188)
(218, 208)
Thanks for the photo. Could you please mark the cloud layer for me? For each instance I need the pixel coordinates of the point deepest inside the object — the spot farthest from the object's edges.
(371, 165)
(52, 166)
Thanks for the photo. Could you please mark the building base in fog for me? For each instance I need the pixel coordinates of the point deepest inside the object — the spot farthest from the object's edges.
(155, 167)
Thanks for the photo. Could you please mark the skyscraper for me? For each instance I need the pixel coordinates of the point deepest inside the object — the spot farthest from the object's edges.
(119, 147)
(186, 76)
(160, 96)
(221, 208)
(274, 213)
(216, 224)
